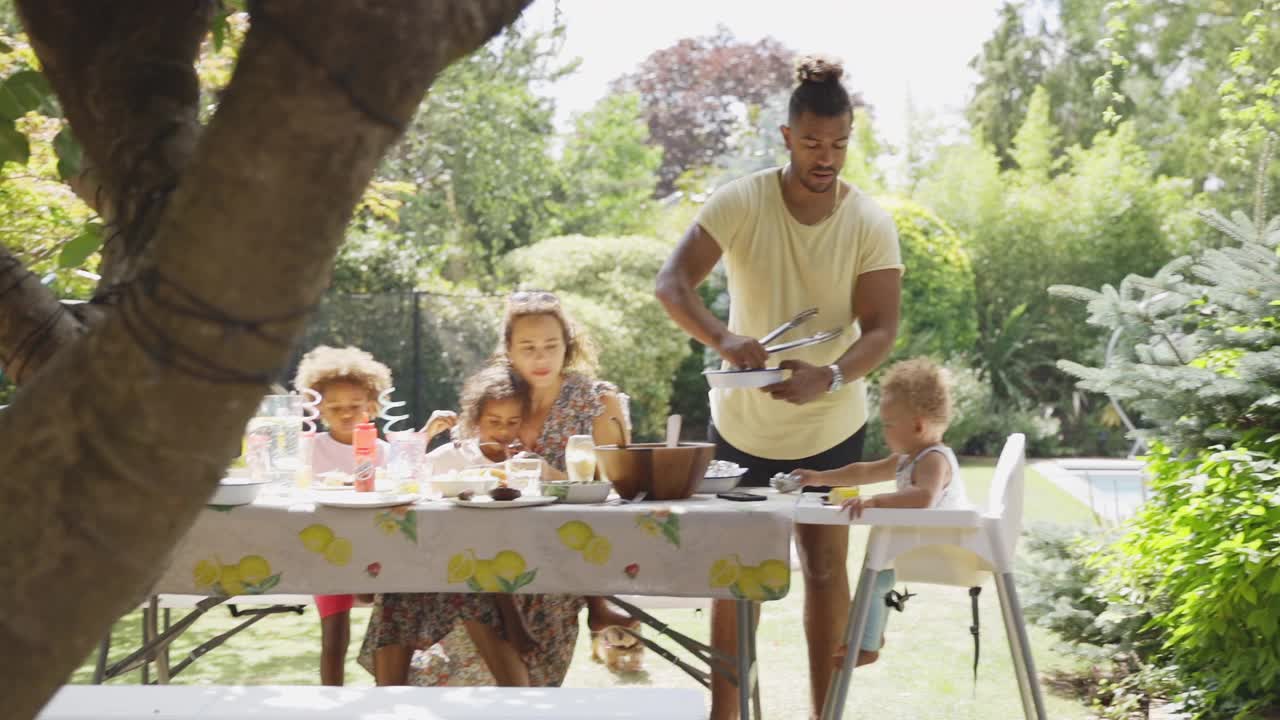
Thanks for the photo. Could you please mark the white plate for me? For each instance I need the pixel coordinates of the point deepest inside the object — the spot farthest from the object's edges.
(366, 500)
(489, 503)
(331, 488)
(743, 378)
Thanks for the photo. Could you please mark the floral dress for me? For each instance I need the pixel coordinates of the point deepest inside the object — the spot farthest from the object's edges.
(422, 621)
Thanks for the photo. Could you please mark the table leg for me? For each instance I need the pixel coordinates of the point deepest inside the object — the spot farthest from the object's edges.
(755, 661)
(746, 657)
(838, 689)
(147, 638)
(161, 658)
(104, 650)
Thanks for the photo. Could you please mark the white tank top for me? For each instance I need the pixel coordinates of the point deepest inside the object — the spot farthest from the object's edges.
(953, 495)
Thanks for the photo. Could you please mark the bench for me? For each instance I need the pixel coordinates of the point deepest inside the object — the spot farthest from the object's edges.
(293, 702)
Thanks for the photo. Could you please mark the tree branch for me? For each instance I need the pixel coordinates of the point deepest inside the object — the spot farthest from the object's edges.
(124, 73)
(124, 434)
(33, 324)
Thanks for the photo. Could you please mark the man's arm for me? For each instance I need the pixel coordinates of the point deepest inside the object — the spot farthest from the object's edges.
(876, 303)
(876, 299)
(677, 290)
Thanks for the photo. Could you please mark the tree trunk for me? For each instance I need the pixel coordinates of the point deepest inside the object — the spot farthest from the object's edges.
(112, 449)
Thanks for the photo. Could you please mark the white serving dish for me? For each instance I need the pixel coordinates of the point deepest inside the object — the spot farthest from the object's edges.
(724, 483)
(236, 491)
(744, 378)
(488, 503)
(577, 493)
(361, 500)
(454, 483)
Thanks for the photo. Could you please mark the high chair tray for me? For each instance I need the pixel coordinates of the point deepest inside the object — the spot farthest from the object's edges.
(810, 510)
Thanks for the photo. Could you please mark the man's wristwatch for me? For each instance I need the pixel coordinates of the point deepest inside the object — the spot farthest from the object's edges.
(837, 378)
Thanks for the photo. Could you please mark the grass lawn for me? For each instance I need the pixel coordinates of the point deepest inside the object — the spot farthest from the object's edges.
(924, 671)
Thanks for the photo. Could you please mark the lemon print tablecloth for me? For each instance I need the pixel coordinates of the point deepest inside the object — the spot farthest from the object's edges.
(700, 547)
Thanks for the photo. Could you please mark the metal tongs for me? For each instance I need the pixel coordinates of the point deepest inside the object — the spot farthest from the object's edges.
(799, 319)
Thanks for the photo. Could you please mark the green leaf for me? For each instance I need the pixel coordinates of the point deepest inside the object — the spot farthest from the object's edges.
(74, 253)
(265, 586)
(13, 145)
(70, 154)
(21, 93)
(506, 586)
(409, 525)
(671, 531)
(219, 28)
(525, 578)
(475, 586)
(1248, 593)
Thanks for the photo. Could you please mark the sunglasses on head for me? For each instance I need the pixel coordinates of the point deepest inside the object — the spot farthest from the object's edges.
(528, 296)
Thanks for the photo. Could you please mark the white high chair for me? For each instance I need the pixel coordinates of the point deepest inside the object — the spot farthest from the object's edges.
(944, 547)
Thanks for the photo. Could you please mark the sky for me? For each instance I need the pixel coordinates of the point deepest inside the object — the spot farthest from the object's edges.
(892, 49)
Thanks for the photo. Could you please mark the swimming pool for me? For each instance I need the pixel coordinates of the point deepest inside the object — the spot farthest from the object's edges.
(1114, 489)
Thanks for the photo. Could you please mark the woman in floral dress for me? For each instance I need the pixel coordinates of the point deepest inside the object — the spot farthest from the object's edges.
(524, 639)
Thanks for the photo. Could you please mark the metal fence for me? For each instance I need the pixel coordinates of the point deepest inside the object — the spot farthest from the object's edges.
(431, 341)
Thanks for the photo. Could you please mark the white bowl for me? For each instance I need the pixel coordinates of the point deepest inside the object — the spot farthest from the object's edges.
(724, 483)
(452, 485)
(743, 378)
(236, 491)
(577, 493)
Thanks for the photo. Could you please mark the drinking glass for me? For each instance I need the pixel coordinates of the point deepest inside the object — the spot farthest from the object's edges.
(524, 473)
(273, 435)
(580, 458)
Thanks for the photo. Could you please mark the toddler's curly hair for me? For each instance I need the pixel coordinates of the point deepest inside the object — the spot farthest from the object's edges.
(494, 382)
(923, 385)
(325, 364)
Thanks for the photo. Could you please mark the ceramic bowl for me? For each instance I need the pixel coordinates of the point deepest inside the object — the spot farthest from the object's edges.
(236, 491)
(577, 493)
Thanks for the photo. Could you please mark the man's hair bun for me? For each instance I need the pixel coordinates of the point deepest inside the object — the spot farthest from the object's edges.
(819, 69)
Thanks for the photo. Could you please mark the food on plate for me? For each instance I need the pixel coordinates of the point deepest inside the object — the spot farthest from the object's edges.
(502, 492)
(484, 473)
(723, 468)
(336, 478)
(466, 494)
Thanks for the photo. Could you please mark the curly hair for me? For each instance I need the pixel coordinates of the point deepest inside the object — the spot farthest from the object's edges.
(819, 90)
(923, 386)
(579, 351)
(325, 364)
(495, 382)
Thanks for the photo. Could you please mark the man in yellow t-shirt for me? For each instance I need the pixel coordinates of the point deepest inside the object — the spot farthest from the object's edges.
(793, 238)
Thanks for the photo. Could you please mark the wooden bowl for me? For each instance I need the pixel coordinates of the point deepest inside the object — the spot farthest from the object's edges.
(663, 473)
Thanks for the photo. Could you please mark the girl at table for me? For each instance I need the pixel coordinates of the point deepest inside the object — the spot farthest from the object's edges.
(915, 411)
(533, 641)
(348, 381)
(493, 404)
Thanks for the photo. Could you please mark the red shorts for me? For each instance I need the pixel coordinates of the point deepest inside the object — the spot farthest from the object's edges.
(334, 604)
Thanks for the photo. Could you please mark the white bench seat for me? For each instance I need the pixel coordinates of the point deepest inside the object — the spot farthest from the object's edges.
(294, 702)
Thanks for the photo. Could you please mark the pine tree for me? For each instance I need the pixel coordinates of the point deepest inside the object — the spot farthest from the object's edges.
(1198, 344)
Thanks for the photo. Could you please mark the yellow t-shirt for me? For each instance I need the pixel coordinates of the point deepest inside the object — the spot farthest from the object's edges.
(777, 267)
